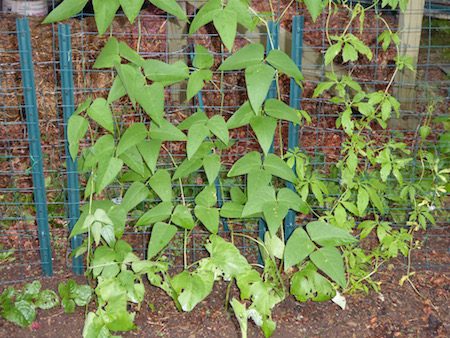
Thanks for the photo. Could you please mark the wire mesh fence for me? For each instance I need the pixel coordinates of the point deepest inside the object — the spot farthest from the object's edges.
(158, 35)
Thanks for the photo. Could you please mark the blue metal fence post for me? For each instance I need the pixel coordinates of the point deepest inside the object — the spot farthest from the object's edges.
(295, 102)
(272, 43)
(34, 138)
(67, 90)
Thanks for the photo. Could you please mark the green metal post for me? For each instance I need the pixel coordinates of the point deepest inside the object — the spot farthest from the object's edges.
(67, 90)
(295, 102)
(272, 43)
(34, 138)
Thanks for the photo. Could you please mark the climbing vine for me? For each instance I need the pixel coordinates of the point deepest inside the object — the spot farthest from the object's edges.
(357, 196)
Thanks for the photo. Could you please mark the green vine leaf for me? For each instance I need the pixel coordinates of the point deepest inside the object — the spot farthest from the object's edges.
(182, 217)
(328, 235)
(100, 112)
(259, 79)
(315, 8)
(284, 64)
(109, 55)
(207, 197)
(244, 165)
(166, 131)
(264, 128)
(241, 117)
(117, 90)
(309, 284)
(187, 167)
(161, 183)
(280, 110)
(211, 163)
(196, 135)
(218, 127)
(135, 194)
(277, 167)
(162, 234)
(332, 52)
(192, 288)
(205, 15)
(151, 99)
(133, 135)
(198, 116)
(250, 55)
(209, 217)
(197, 82)
(298, 247)
(76, 129)
(274, 214)
(107, 172)
(225, 22)
(105, 11)
(171, 7)
(158, 213)
(149, 150)
(65, 10)
(133, 159)
(203, 59)
(362, 200)
(231, 210)
(329, 260)
(131, 8)
(292, 201)
(165, 73)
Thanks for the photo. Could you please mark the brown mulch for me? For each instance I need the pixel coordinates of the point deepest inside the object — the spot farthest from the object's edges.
(396, 312)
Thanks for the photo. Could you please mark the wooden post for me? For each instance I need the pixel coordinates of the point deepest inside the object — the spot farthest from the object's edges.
(176, 44)
(410, 29)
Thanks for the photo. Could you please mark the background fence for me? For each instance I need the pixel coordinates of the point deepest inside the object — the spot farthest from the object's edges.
(39, 195)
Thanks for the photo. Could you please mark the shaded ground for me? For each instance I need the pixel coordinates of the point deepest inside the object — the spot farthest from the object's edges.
(397, 312)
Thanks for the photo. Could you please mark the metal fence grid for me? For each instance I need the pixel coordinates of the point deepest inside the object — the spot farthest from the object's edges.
(154, 35)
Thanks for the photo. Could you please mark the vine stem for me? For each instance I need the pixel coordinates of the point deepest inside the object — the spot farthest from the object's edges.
(183, 200)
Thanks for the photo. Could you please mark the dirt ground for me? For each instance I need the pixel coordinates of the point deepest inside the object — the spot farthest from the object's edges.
(399, 311)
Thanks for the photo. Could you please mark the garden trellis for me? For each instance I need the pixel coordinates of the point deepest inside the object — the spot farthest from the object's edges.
(39, 189)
